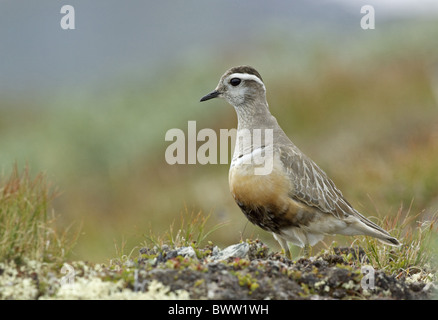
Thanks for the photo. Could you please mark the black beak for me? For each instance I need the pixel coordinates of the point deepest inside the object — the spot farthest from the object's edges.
(211, 95)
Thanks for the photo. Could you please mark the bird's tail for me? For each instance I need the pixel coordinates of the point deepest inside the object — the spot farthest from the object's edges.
(368, 228)
(390, 241)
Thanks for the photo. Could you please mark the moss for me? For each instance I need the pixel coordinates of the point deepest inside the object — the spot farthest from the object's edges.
(246, 280)
(239, 263)
(199, 282)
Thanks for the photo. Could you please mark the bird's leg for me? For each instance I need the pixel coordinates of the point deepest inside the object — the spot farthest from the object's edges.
(286, 251)
(307, 250)
(284, 246)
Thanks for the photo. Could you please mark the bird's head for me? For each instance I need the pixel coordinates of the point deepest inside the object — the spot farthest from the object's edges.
(239, 86)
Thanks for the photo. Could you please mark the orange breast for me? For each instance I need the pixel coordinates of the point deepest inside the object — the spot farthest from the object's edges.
(265, 201)
(259, 190)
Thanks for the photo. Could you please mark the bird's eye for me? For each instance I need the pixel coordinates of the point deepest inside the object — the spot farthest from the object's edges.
(235, 82)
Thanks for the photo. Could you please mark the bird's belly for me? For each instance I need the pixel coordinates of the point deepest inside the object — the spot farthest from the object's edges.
(264, 199)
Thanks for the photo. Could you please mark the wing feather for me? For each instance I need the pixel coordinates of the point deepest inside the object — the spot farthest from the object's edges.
(312, 186)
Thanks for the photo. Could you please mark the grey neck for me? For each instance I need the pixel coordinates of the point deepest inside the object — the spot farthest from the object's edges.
(255, 116)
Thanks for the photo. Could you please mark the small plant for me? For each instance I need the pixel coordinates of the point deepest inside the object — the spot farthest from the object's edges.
(246, 280)
(416, 254)
(27, 224)
(192, 232)
(121, 257)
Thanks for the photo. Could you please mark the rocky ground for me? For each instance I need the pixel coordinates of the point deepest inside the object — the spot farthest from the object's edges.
(251, 271)
(248, 270)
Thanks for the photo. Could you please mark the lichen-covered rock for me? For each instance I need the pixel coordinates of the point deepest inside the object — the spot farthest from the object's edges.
(246, 270)
(249, 271)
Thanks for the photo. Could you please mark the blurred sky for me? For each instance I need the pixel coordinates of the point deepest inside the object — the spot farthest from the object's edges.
(140, 37)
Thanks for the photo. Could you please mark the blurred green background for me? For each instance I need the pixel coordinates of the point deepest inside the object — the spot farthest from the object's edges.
(90, 107)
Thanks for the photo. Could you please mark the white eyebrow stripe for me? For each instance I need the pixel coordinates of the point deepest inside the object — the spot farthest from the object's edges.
(246, 76)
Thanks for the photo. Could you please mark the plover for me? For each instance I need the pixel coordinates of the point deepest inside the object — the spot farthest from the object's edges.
(295, 200)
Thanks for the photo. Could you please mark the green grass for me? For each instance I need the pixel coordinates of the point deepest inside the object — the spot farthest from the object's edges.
(27, 222)
(193, 231)
(418, 234)
(417, 254)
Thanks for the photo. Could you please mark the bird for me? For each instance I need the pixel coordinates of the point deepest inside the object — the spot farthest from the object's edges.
(294, 199)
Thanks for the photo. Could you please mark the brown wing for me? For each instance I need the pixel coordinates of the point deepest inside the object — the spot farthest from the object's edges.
(313, 187)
